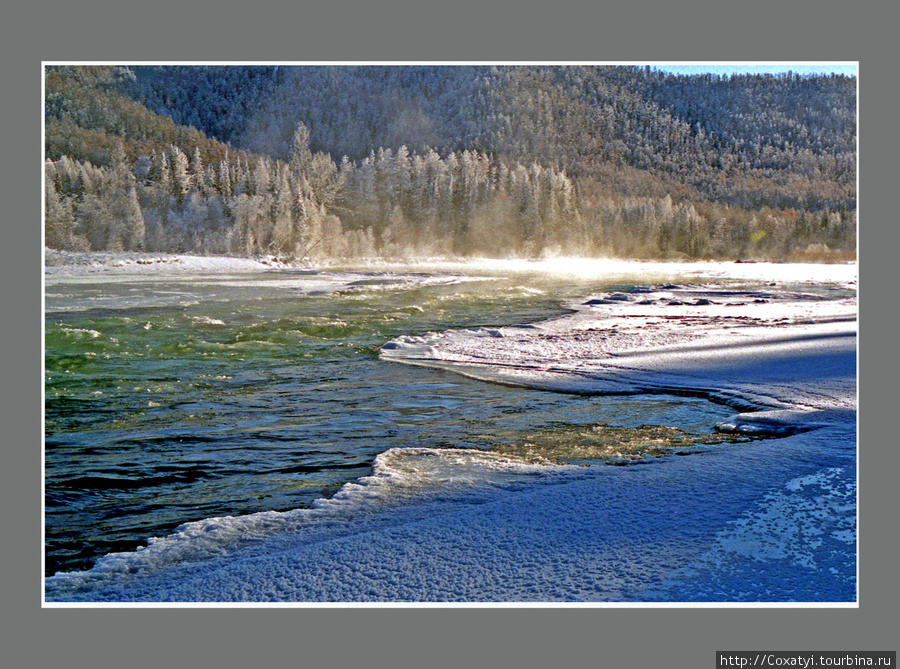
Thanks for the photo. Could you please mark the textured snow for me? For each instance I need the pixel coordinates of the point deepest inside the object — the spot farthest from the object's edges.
(769, 520)
(683, 532)
(764, 348)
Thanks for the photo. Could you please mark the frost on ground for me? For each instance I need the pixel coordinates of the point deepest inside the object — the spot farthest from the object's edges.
(796, 544)
(769, 520)
(450, 526)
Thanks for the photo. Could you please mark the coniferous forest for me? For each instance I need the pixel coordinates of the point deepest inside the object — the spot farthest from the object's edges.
(341, 162)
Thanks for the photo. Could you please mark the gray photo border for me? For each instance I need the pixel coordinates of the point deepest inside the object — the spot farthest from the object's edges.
(167, 30)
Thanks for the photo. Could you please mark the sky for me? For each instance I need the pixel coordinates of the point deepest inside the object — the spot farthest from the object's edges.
(847, 68)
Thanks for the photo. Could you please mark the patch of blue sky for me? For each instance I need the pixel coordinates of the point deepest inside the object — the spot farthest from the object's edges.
(737, 68)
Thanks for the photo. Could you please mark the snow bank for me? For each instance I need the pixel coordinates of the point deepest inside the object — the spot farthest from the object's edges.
(760, 348)
(70, 264)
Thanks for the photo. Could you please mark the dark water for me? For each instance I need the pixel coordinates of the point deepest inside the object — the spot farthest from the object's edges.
(180, 397)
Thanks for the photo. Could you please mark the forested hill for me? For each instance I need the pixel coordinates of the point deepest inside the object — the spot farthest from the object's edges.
(582, 159)
(781, 140)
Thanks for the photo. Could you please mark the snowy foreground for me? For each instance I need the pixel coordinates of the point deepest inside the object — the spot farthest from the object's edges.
(770, 520)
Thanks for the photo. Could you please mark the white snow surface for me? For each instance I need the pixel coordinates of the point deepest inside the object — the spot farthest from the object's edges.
(771, 520)
(769, 348)
(73, 263)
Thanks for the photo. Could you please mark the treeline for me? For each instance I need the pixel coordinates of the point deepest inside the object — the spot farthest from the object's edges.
(122, 177)
(392, 204)
(170, 202)
(396, 204)
(460, 204)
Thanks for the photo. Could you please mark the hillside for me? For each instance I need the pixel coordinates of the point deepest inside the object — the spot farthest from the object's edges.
(779, 140)
(449, 159)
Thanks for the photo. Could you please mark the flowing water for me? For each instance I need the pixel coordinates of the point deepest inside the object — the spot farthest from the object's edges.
(177, 396)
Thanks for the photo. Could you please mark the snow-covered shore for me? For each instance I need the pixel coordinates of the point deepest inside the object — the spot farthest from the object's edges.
(73, 263)
(768, 525)
(767, 348)
(770, 520)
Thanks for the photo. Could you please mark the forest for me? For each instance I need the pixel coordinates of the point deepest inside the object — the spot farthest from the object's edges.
(317, 163)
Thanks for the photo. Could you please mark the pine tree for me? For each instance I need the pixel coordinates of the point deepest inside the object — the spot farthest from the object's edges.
(261, 182)
(223, 178)
(181, 175)
(97, 223)
(59, 222)
(197, 171)
(128, 229)
(326, 180)
(301, 156)
(284, 237)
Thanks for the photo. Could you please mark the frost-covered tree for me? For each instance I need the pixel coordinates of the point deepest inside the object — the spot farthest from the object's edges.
(128, 219)
(301, 156)
(284, 232)
(261, 182)
(181, 175)
(59, 221)
(197, 172)
(97, 224)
